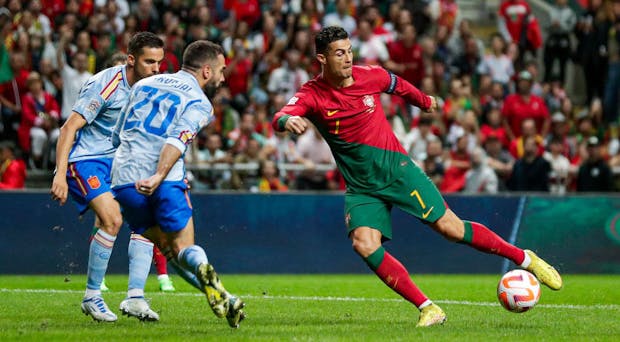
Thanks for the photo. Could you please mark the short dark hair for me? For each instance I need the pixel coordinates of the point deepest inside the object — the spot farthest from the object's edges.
(328, 35)
(141, 40)
(116, 58)
(199, 53)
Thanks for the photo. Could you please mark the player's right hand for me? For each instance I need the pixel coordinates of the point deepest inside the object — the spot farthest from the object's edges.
(296, 124)
(59, 189)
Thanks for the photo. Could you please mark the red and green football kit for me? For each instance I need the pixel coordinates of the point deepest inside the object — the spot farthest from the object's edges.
(376, 168)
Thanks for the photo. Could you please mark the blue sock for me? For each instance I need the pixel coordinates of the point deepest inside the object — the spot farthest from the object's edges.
(98, 257)
(185, 274)
(191, 257)
(140, 252)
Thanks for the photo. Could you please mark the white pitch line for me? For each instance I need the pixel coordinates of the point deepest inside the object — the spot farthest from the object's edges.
(335, 299)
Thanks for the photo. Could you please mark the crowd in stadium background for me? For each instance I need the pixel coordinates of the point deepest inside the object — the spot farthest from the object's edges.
(507, 121)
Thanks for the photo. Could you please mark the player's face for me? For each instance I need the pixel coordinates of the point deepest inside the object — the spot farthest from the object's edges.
(338, 60)
(217, 73)
(147, 64)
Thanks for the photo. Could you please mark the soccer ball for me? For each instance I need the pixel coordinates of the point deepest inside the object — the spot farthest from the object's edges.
(518, 291)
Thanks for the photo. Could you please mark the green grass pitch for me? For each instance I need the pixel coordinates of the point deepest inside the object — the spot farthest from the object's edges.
(314, 308)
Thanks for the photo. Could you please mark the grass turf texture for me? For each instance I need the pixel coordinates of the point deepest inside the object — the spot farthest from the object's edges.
(314, 308)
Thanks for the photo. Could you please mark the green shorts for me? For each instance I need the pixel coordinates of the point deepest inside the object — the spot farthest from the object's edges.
(413, 192)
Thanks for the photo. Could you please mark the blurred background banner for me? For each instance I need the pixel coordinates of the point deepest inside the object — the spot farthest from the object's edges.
(305, 233)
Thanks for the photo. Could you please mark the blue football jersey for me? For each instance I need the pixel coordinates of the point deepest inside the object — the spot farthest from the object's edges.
(100, 102)
(162, 109)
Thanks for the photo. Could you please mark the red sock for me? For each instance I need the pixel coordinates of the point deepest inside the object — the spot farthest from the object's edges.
(395, 275)
(483, 239)
(160, 261)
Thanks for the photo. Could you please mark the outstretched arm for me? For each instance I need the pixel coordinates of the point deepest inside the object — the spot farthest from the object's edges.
(290, 117)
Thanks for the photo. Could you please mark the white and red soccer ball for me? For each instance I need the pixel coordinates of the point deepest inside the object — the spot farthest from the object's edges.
(518, 291)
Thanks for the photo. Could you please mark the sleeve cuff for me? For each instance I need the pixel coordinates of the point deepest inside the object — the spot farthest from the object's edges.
(282, 121)
(176, 143)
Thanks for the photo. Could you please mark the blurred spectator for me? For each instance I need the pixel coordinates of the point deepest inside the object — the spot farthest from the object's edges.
(481, 178)
(11, 92)
(38, 130)
(498, 159)
(558, 45)
(41, 21)
(447, 14)
(433, 162)
(370, 49)
(269, 177)
(416, 141)
(238, 64)
(201, 26)
(559, 131)
(457, 165)
(210, 154)
(523, 105)
(520, 28)
(226, 117)
(611, 98)
(497, 64)
(560, 167)
(554, 95)
(528, 130)
(493, 126)
(467, 62)
(591, 31)
(247, 11)
(72, 77)
(458, 39)
(313, 150)
(531, 172)
(239, 137)
(103, 52)
(405, 56)
(594, 174)
(288, 78)
(148, 17)
(83, 44)
(12, 170)
(341, 17)
(456, 103)
(247, 179)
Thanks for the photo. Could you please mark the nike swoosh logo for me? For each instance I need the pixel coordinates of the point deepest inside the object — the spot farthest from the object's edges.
(425, 215)
(331, 112)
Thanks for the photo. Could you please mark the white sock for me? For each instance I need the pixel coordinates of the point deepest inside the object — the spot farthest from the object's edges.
(425, 304)
(135, 293)
(162, 276)
(526, 261)
(91, 293)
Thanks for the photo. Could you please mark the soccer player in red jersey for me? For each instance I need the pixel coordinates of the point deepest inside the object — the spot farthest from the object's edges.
(343, 103)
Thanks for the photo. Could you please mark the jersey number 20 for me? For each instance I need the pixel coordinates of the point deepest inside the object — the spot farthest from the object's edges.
(153, 99)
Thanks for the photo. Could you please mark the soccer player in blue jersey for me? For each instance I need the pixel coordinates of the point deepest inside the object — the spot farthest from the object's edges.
(164, 114)
(84, 155)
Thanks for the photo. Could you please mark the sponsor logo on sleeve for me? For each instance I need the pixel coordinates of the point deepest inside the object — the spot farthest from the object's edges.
(293, 100)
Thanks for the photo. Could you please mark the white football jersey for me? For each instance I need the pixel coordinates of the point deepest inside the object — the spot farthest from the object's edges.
(162, 109)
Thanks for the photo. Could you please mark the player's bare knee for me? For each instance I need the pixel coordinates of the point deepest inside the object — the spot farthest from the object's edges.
(364, 245)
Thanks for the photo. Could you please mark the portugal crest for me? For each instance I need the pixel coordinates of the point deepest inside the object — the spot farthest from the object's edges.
(369, 101)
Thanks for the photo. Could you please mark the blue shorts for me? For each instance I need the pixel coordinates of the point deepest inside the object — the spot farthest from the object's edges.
(88, 179)
(169, 207)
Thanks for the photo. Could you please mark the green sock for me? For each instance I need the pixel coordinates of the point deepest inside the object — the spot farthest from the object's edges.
(375, 259)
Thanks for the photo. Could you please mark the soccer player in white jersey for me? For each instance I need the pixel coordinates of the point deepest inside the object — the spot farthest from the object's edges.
(164, 114)
(84, 155)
